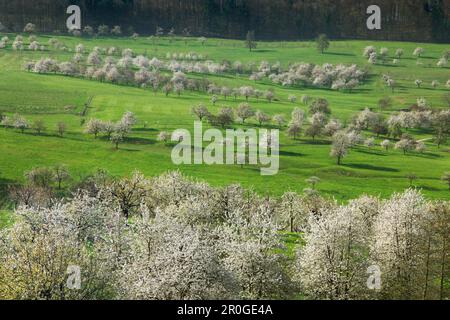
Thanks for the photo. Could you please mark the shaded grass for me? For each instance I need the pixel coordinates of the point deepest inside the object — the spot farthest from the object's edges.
(5, 219)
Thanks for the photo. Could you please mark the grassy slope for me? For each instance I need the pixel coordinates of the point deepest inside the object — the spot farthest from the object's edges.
(5, 219)
(364, 171)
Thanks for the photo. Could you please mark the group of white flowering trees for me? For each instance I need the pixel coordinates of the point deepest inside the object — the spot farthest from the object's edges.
(173, 238)
(375, 57)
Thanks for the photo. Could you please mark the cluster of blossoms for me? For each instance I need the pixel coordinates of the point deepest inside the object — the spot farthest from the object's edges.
(378, 235)
(421, 119)
(443, 62)
(434, 83)
(244, 91)
(173, 238)
(337, 77)
(139, 71)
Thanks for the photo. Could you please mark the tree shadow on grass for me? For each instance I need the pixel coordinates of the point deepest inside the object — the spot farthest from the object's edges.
(140, 141)
(369, 167)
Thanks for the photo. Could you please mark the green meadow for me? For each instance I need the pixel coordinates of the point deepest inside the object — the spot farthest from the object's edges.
(365, 170)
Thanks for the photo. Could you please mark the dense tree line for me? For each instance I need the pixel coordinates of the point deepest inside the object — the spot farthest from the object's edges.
(363, 128)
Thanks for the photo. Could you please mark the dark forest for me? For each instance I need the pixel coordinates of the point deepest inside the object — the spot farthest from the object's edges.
(414, 20)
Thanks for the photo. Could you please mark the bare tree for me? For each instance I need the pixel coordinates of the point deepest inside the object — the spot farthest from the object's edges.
(61, 128)
(250, 41)
(39, 126)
